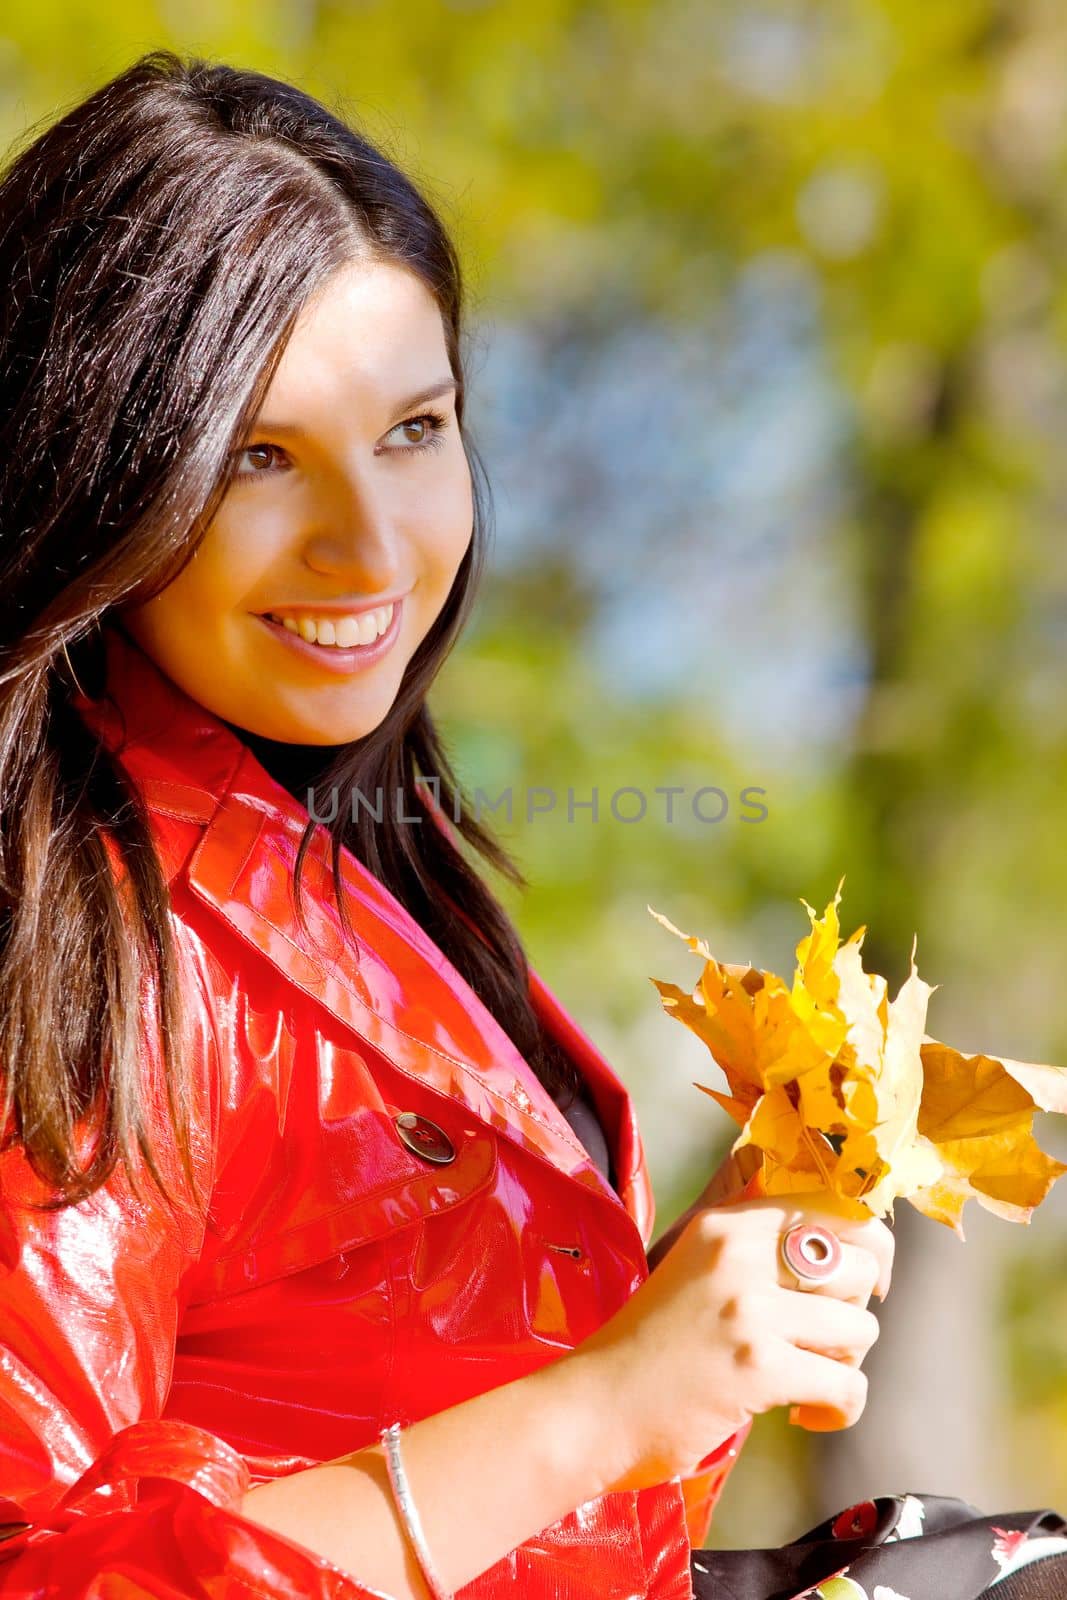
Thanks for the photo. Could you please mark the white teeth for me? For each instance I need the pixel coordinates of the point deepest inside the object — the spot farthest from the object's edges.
(339, 631)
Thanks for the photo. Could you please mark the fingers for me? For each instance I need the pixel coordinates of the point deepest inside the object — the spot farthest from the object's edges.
(835, 1328)
(826, 1334)
(855, 1279)
(868, 1233)
(874, 1236)
(829, 1394)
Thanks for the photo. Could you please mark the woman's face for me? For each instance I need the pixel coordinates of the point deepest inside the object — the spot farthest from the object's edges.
(350, 498)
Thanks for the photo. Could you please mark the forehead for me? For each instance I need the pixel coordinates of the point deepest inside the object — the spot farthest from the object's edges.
(371, 332)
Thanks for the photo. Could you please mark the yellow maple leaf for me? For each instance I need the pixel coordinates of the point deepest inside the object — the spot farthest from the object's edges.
(978, 1113)
(836, 1087)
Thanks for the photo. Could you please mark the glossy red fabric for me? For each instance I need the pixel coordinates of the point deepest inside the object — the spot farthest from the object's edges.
(153, 1366)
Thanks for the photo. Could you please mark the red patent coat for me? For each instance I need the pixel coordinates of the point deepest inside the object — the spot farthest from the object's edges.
(151, 1369)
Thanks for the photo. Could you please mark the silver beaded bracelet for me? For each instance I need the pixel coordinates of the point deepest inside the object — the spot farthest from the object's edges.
(408, 1514)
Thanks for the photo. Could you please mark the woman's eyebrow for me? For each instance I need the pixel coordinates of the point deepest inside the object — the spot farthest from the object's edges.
(265, 424)
(427, 394)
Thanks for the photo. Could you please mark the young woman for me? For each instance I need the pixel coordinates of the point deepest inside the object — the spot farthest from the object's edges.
(324, 1226)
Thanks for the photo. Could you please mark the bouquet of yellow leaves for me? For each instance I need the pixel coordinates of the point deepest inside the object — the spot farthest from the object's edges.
(837, 1087)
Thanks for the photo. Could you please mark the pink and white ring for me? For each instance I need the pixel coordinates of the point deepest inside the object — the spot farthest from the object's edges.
(811, 1253)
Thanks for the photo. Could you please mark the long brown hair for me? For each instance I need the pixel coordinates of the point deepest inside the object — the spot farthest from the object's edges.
(156, 245)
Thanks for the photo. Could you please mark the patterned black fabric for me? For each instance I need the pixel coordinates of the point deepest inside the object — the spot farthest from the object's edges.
(900, 1547)
(1042, 1580)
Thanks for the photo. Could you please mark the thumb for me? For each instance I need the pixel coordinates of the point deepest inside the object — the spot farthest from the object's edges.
(739, 1178)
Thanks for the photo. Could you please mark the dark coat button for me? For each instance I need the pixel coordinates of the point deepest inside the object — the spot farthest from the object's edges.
(425, 1138)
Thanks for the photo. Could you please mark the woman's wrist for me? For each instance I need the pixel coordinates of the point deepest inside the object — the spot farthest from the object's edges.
(584, 1442)
(485, 1476)
(666, 1240)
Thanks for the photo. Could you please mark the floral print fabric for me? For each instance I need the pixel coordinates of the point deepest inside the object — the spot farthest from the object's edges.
(898, 1547)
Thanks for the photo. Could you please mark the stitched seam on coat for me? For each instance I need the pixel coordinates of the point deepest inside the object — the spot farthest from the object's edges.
(399, 1186)
(338, 978)
(229, 794)
(442, 1055)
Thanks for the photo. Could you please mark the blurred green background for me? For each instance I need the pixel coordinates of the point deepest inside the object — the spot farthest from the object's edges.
(767, 350)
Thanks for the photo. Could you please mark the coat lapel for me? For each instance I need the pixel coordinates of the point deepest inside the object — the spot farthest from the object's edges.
(400, 993)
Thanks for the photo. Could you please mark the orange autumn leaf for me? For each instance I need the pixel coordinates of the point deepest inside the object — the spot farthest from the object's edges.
(837, 1087)
(978, 1111)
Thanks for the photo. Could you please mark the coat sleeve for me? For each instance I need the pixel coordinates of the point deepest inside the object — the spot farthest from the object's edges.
(702, 1487)
(99, 1494)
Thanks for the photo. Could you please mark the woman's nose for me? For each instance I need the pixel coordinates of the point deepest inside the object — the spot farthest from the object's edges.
(356, 535)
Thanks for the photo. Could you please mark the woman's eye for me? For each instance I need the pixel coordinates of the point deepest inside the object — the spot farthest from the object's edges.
(430, 424)
(423, 432)
(259, 459)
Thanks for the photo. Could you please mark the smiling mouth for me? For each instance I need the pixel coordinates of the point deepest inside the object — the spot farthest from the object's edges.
(349, 632)
(336, 657)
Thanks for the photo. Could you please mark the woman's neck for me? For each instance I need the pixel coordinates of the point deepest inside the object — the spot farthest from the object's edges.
(297, 767)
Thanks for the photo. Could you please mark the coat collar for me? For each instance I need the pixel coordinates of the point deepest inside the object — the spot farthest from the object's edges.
(400, 994)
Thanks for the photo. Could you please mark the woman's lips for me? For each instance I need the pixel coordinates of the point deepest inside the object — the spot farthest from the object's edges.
(335, 658)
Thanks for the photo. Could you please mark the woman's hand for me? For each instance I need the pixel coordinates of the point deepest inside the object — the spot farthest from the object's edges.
(730, 1177)
(727, 1183)
(714, 1336)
